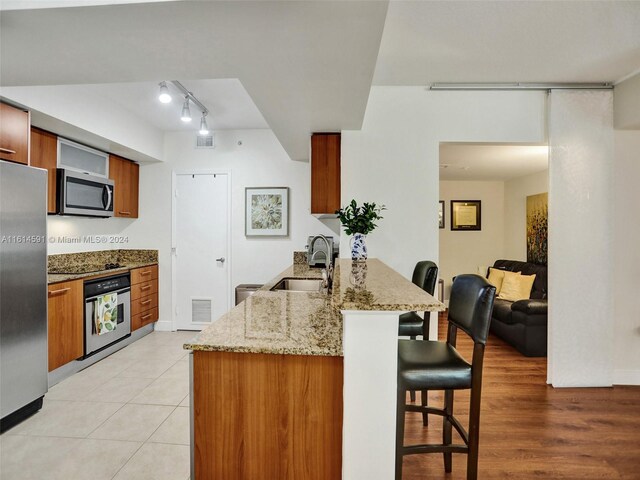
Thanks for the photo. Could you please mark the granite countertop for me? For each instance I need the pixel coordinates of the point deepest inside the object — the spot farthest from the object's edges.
(310, 323)
(65, 277)
(70, 262)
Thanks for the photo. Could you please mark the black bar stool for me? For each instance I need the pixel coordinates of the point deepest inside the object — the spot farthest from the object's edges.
(428, 365)
(425, 276)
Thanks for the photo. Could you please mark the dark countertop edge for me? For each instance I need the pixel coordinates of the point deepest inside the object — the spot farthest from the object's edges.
(66, 277)
(278, 351)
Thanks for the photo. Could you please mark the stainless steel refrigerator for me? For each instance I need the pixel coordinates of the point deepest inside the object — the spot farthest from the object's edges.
(23, 291)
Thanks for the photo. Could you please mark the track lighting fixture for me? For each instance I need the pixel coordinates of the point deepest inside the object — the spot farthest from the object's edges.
(164, 96)
(189, 98)
(204, 129)
(186, 113)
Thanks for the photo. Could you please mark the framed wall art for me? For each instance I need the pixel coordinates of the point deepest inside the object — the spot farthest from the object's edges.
(537, 218)
(266, 211)
(441, 214)
(466, 215)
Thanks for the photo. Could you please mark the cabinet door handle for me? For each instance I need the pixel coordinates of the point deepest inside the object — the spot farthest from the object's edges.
(148, 315)
(146, 302)
(145, 287)
(124, 213)
(62, 290)
(148, 272)
(7, 150)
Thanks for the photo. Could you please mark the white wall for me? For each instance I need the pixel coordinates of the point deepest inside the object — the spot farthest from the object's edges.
(626, 103)
(581, 325)
(464, 251)
(516, 192)
(626, 257)
(394, 158)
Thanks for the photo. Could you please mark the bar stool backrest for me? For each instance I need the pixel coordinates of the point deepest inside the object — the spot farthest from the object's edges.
(471, 305)
(425, 275)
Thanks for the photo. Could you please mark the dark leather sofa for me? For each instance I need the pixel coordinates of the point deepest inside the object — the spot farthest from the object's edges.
(523, 323)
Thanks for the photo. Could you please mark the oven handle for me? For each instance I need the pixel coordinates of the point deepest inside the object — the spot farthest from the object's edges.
(119, 292)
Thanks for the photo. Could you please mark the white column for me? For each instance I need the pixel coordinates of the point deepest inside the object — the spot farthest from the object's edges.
(580, 238)
(370, 346)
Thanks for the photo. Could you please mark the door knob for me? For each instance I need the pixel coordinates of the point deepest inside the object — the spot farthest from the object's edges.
(221, 259)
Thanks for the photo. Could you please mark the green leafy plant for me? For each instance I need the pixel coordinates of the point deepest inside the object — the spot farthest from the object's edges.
(362, 219)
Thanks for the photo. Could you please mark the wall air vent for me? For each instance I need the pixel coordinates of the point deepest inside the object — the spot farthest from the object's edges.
(205, 141)
(201, 310)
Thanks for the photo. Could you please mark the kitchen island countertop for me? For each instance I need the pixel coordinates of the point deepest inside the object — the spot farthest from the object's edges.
(310, 323)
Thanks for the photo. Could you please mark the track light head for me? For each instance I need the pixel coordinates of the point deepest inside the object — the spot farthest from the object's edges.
(186, 113)
(204, 129)
(164, 96)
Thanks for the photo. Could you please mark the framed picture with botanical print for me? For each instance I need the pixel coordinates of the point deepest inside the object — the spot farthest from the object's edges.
(266, 211)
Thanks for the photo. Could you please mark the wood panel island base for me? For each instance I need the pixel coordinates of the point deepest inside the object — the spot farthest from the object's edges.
(302, 385)
(265, 416)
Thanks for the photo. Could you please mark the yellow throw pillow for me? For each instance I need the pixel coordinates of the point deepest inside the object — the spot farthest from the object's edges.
(495, 278)
(516, 287)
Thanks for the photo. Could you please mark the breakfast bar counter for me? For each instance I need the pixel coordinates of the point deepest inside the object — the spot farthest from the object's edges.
(302, 384)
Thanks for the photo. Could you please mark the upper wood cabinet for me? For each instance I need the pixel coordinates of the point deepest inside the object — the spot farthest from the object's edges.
(125, 175)
(66, 323)
(44, 154)
(14, 134)
(325, 173)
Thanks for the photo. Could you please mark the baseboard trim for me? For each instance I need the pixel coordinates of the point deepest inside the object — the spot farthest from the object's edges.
(163, 326)
(626, 377)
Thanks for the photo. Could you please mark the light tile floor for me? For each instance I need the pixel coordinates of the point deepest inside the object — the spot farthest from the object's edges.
(124, 418)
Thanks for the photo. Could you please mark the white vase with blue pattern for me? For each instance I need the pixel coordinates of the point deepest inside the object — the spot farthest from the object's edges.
(358, 248)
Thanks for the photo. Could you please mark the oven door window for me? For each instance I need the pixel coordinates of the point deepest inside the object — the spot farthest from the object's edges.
(119, 319)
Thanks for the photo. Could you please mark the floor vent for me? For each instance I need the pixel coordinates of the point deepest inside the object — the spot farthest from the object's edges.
(205, 141)
(201, 310)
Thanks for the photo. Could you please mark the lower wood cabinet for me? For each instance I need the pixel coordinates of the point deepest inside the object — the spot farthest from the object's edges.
(267, 416)
(144, 296)
(66, 322)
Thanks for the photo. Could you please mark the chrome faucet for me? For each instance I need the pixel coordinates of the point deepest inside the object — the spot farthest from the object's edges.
(327, 272)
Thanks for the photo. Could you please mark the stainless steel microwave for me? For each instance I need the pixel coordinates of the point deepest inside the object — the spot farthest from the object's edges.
(84, 194)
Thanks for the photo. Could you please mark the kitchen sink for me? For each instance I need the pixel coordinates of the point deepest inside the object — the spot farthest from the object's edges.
(299, 285)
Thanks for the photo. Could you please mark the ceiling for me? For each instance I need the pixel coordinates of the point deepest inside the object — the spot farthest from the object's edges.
(496, 162)
(306, 65)
(300, 67)
(509, 41)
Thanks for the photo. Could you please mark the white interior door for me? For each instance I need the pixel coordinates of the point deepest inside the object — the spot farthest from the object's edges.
(200, 249)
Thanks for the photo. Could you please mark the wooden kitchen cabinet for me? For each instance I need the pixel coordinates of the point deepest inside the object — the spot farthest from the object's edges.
(325, 173)
(66, 322)
(44, 154)
(125, 175)
(14, 134)
(144, 296)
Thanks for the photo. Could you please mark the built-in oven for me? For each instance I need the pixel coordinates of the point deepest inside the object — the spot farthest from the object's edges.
(84, 194)
(107, 313)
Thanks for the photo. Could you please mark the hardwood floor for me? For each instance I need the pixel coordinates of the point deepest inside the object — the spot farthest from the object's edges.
(531, 430)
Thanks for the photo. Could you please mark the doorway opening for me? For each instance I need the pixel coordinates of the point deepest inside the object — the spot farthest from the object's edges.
(494, 210)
